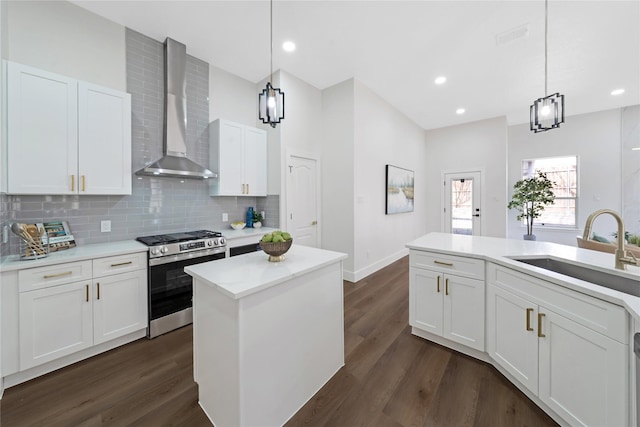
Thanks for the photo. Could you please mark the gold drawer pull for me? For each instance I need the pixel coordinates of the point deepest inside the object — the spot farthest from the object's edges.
(73, 183)
(529, 311)
(83, 183)
(438, 285)
(448, 264)
(121, 263)
(540, 334)
(446, 286)
(50, 276)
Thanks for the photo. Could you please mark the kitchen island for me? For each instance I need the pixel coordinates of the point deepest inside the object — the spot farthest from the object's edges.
(267, 336)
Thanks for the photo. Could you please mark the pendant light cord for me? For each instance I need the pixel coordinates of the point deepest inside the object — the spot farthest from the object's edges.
(271, 41)
(546, 14)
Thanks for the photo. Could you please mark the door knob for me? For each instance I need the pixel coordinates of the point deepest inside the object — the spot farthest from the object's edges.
(314, 223)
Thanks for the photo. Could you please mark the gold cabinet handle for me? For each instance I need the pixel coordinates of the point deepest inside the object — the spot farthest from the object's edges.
(98, 289)
(50, 276)
(529, 311)
(314, 222)
(121, 263)
(438, 284)
(83, 183)
(73, 183)
(448, 264)
(540, 334)
(248, 189)
(446, 286)
(86, 287)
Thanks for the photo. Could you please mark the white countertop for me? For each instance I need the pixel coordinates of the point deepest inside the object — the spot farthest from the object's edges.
(232, 234)
(79, 253)
(499, 250)
(247, 274)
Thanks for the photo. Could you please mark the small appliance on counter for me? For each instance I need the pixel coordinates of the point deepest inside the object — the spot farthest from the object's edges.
(170, 288)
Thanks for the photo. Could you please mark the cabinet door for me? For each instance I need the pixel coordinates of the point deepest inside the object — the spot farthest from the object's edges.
(582, 373)
(464, 311)
(54, 322)
(512, 339)
(42, 132)
(120, 305)
(104, 140)
(230, 174)
(255, 161)
(426, 289)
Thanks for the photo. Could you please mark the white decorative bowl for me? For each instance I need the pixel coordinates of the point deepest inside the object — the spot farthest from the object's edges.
(238, 226)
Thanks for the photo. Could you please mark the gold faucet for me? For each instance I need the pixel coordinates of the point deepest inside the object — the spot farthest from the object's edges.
(622, 260)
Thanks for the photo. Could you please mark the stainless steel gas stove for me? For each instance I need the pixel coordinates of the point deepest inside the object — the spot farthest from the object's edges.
(170, 288)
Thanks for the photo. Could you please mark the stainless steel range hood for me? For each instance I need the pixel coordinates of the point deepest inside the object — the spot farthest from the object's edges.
(175, 162)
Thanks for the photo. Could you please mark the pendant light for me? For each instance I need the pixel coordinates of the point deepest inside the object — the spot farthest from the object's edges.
(271, 100)
(548, 112)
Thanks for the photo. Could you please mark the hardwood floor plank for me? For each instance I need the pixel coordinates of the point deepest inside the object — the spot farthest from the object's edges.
(391, 378)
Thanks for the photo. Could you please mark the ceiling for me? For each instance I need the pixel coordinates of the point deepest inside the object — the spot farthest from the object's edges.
(397, 49)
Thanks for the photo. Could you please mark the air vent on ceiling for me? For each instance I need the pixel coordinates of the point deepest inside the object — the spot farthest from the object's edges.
(512, 34)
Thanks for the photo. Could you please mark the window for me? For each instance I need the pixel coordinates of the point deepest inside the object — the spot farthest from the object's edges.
(563, 172)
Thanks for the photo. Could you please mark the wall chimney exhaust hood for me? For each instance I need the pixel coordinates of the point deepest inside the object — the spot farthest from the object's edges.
(175, 163)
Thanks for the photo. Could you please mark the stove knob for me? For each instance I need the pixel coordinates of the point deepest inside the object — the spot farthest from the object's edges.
(215, 242)
(210, 243)
(222, 241)
(155, 251)
(164, 249)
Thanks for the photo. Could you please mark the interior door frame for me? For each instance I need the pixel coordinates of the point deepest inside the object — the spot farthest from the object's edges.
(292, 152)
(443, 196)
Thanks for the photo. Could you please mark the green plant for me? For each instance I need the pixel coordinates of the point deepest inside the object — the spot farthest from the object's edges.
(530, 196)
(257, 216)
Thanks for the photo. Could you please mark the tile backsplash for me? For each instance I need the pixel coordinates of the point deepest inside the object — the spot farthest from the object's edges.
(156, 205)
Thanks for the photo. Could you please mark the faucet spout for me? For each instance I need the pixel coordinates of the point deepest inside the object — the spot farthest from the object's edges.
(622, 260)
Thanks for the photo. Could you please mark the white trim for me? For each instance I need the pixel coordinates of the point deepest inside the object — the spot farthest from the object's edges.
(355, 276)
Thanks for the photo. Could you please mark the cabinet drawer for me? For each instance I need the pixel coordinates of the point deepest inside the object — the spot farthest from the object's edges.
(461, 266)
(52, 275)
(119, 264)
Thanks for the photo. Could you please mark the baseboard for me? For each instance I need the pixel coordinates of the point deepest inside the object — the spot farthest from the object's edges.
(36, 371)
(354, 276)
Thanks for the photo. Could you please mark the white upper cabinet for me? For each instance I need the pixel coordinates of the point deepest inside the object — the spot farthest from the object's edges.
(238, 154)
(66, 136)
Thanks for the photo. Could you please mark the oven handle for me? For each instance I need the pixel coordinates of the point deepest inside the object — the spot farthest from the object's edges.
(185, 256)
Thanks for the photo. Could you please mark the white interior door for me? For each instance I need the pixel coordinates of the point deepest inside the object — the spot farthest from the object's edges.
(462, 203)
(302, 200)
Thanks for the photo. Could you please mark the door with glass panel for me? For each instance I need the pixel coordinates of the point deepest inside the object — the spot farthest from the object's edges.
(462, 203)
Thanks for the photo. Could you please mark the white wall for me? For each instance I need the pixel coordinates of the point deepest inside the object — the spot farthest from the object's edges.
(631, 168)
(383, 136)
(595, 139)
(79, 44)
(338, 171)
(231, 97)
(477, 146)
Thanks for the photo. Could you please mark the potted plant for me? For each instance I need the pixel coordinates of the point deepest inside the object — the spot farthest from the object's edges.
(257, 219)
(530, 196)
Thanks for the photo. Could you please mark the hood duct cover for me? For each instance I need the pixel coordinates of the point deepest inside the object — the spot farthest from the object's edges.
(175, 162)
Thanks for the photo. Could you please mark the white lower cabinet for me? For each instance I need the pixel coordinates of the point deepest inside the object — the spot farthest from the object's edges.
(63, 318)
(445, 304)
(546, 339)
(54, 322)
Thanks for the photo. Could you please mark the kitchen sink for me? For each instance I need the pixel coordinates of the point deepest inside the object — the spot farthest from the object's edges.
(628, 285)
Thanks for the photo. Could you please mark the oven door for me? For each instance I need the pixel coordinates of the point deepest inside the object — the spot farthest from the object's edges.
(170, 288)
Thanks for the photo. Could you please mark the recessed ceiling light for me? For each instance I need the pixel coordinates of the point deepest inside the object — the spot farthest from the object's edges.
(617, 92)
(440, 80)
(460, 111)
(289, 46)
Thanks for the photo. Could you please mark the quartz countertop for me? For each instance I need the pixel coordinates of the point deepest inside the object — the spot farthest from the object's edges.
(243, 275)
(500, 251)
(79, 253)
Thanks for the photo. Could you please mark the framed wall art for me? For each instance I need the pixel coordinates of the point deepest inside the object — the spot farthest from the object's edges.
(399, 190)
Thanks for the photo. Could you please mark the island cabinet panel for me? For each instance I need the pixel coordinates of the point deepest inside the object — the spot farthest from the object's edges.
(261, 353)
(577, 371)
(446, 297)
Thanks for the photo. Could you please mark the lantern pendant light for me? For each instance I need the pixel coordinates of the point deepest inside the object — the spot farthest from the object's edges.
(271, 100)
(548, 112)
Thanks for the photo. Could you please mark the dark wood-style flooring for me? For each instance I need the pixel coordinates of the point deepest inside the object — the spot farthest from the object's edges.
(390, 378)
